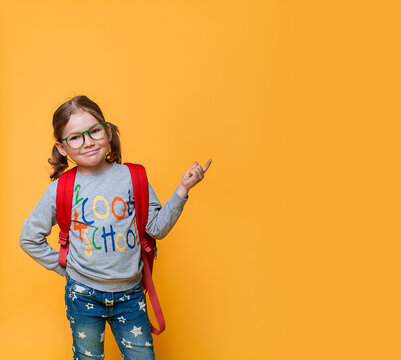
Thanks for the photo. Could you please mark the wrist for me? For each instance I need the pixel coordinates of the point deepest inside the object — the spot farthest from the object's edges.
(181, 191)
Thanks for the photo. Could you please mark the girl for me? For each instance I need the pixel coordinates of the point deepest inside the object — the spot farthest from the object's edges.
(103, 273)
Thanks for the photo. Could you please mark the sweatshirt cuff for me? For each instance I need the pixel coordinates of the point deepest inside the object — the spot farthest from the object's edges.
(177, 200)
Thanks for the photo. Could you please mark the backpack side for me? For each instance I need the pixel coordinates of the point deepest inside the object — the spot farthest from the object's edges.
(148, 243)
(65, 192)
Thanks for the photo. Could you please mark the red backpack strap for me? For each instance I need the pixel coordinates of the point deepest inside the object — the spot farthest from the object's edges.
(141, 198)
(65, 192)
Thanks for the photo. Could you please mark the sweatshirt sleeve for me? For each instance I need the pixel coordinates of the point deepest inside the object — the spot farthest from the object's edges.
(162, 219)
(37, 227)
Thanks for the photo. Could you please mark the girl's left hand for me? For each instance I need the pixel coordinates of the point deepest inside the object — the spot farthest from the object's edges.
(194, 175)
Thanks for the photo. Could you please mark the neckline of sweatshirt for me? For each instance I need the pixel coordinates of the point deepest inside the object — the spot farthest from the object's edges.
(97, 174)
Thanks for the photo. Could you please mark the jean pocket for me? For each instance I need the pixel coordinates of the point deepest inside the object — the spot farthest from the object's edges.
(77, 289)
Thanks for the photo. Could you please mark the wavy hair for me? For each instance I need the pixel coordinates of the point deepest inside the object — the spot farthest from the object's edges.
(60, 119)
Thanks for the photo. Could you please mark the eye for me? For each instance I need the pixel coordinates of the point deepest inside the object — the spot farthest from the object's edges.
(74, 138)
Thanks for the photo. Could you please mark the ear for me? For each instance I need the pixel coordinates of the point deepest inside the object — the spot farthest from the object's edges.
(109, 133)
(60, 148)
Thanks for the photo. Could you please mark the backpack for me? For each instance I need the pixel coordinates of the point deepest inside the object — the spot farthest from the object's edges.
(65, 192)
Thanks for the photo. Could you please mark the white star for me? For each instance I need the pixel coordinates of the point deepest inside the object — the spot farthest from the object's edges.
(109, 302)
(142, 305)
(66, 308)
(79, 288)
(88, 353)
(89, 306)
(121, 319)
(136, 330)
(148, 343)
(73, 296)
(124, 297)
(104, 316)
(73, 348)
(126, 343)
(102, 337)
(82, 335)
(72, 320)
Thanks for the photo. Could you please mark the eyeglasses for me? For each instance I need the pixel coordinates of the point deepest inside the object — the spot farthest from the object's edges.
(96, 132)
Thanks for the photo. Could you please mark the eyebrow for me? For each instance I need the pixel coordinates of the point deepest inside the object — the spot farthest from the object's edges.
(80, 132)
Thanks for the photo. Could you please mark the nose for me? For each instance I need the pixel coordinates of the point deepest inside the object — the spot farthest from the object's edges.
(88, 141)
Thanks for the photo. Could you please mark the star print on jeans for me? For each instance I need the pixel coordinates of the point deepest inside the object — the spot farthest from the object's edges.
(125, 297)
(136, 330)
(89, 306)
(126, 343)
(142, 305)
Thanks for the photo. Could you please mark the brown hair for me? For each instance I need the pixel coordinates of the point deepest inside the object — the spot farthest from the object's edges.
(60, 119)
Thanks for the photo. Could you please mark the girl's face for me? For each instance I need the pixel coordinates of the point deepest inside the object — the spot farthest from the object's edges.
(90, 157)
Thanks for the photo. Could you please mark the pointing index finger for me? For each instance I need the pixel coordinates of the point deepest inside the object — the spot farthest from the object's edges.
(207, 165)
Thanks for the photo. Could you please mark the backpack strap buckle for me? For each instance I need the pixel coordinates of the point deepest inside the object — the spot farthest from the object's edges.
(63, 238)
(145, 245)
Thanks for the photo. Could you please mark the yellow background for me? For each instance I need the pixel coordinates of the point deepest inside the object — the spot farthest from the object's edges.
(289, 248)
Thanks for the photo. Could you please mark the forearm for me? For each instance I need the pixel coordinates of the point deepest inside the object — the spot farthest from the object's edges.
(41, 252)
(37, 227)
(162, 219)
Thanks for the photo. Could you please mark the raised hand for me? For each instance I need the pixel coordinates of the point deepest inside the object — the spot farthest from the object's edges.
(194, 175)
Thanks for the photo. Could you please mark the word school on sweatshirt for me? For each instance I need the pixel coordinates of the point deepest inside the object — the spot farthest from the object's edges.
(103, 238)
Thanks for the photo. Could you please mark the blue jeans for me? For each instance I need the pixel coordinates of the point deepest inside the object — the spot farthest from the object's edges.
(125, 311)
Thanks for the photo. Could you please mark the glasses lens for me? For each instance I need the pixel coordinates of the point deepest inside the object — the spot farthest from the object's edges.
(75, 140)
(97, 132)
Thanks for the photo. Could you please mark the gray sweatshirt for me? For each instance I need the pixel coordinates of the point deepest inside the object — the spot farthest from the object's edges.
(104, 252)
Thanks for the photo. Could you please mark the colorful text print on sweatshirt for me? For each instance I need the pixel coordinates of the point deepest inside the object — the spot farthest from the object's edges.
(105, 214)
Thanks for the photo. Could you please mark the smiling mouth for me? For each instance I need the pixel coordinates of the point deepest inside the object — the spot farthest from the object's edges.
(90, 152)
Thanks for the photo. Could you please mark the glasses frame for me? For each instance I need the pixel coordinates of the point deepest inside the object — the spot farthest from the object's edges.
(87, 131)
